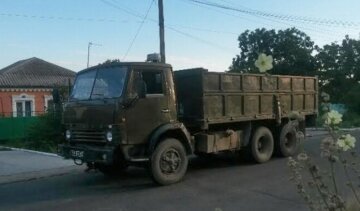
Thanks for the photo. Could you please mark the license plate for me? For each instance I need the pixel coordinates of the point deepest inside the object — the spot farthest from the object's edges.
(77, 153)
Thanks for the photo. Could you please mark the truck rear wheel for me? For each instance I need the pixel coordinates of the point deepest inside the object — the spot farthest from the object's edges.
(288, 144)
(262, 145)
(169, 162)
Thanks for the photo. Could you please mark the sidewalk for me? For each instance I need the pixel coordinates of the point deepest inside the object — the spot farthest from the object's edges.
(21, 165)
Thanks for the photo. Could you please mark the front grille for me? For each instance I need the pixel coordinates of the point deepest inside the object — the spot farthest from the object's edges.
(88, 135)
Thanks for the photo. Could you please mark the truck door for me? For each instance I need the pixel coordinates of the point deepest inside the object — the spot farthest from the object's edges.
(151, 111)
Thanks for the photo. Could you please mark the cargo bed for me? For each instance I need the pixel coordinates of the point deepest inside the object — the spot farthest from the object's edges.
(206, 98)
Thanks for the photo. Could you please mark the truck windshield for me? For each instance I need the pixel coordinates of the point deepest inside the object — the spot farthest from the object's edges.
(106, 82)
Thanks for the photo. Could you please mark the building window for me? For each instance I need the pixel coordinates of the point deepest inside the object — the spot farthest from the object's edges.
(23, 105)
(23, 108)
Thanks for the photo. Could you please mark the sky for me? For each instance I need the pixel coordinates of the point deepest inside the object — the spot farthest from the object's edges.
(59, 31)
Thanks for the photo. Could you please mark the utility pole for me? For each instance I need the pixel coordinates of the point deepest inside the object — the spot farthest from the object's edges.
(88, 56)
(162, 31)
(90, 43)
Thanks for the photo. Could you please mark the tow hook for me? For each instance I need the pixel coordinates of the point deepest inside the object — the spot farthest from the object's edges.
(78, 162)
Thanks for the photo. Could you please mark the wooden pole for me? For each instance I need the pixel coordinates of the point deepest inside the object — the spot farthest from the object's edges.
(162, 31)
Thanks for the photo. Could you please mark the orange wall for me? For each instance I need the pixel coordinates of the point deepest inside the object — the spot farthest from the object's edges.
(6, 100)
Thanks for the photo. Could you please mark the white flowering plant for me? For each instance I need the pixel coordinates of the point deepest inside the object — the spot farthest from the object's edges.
(264, 62)
(321, 188)
(332, 118)
(346, 142)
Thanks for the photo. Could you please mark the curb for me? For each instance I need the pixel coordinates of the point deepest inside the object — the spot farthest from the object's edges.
(31, 151)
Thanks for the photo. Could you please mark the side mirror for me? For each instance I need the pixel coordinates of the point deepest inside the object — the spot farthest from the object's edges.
(141, 88)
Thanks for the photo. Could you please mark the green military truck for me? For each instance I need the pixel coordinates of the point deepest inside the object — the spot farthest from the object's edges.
(131, 113)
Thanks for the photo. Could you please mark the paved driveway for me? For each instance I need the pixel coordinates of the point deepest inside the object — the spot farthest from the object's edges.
(21, 165)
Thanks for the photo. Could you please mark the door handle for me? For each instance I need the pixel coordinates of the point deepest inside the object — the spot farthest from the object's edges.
(165, 110)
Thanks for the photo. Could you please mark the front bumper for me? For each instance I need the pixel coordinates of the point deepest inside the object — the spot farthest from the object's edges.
(87, 154)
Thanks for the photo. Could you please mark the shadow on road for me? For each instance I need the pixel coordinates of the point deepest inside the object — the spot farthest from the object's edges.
(136, 178)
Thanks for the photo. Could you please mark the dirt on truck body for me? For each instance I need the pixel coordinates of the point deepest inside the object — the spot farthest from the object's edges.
(124, 114)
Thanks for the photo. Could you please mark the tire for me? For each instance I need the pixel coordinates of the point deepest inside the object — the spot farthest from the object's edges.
(262, 145)
(168, 162)
(288, 143)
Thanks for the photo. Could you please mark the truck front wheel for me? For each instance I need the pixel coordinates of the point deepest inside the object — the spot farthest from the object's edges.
(168, 162)
(262, 145)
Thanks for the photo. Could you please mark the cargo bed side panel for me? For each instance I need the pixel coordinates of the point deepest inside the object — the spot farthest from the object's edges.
(213, 98)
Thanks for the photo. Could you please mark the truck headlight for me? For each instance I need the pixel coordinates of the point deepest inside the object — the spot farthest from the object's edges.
(109, 136)
(67, 135)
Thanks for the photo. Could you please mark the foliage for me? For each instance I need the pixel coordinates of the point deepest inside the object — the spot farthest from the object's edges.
(339, 69)
(291, 50)
(46, 134)
(351, 119)
(45, 131)
(111, 61)
(17, 143)
(352, 100)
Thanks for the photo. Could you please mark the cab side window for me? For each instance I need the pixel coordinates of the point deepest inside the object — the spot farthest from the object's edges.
(153, 82)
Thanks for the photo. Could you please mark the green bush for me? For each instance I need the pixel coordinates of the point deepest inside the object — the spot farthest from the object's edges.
(351, 119)
(45, 134)
(16, 143)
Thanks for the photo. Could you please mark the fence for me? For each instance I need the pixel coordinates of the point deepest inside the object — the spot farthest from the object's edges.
(15, 128)
(12, 128)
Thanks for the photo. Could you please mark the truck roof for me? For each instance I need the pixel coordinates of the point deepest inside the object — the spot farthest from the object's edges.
(131, 64)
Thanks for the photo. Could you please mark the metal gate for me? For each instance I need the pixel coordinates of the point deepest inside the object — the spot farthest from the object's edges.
(15, 128)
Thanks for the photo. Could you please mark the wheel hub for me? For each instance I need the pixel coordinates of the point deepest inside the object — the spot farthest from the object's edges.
(170, 161)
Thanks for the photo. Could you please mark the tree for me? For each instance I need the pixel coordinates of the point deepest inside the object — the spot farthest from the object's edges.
(291, 49)
(111, 61)
(339, 69)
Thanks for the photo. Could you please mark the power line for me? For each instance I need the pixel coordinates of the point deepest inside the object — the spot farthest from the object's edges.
(138, 31)
(200, 40)
(172, 28)
(63, 18)
(323, 32)
(203, 29)
(279, 16)
(108, 20)
(128, 11)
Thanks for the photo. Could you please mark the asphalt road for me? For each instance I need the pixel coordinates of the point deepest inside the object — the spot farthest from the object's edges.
(219, 184)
